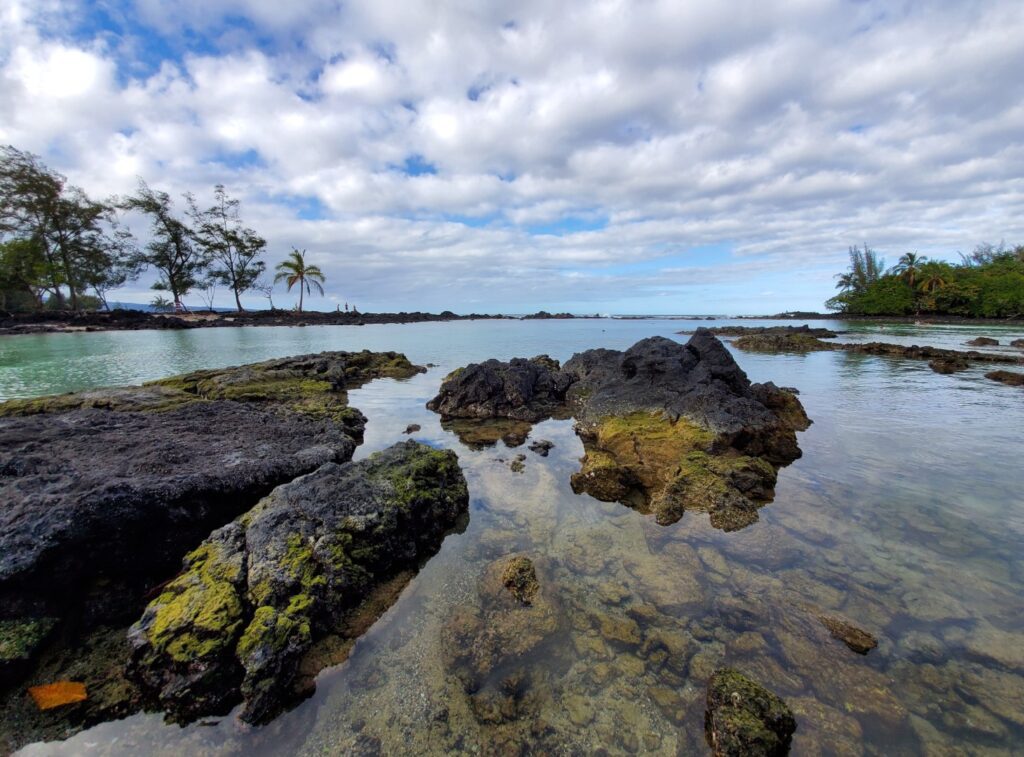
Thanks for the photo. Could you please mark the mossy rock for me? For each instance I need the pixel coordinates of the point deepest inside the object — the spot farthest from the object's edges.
(744, 719)
(21, 641)
(520, 578)
(312, 385)
(21, 638)
(189, 632)
(258, 594)
(118, 399)
(667, 467)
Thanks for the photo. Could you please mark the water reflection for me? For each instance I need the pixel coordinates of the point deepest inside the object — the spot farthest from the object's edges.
(904, 514)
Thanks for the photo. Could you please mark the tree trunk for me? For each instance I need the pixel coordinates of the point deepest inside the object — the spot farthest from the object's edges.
(302, 286)
(238, 302)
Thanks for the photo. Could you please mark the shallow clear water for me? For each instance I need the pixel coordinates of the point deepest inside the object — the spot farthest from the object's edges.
(905, 514)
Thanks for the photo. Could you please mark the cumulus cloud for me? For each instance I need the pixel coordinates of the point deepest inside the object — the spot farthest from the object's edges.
(516, 156)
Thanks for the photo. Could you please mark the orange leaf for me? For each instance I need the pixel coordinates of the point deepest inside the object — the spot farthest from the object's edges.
(57, 694)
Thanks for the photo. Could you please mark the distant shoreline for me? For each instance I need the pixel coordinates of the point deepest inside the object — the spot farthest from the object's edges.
(137, 320)
(947, 320)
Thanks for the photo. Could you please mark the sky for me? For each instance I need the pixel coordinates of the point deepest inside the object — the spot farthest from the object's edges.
(644, 156)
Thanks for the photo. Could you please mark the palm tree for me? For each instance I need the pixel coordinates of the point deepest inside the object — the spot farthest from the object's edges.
(295, 271)
(933, 283)
(909, 266)
(845, 281)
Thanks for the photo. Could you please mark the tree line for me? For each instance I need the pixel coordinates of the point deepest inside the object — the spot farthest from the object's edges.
(61, 249)
(987, 283)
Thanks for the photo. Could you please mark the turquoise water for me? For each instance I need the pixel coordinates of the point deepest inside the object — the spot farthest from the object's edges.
(905, 514)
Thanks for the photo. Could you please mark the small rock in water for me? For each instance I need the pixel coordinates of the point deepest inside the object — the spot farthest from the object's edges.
(857, 639)
(412, 428)
(520, 578)
(1019, 343)
(744, 719)
(1006, 377)
(516, 465)
(984, 341)
(541, 447)
(948, 365)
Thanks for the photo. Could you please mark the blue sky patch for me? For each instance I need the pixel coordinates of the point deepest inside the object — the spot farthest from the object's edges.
(568, 225)
(417, 165)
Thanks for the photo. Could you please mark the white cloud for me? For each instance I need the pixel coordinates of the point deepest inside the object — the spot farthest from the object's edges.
(783, 131)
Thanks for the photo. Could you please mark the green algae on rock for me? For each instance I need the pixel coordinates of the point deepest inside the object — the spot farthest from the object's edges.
(255, 595)
(744, 719)
(666, 427)
(20, 640)
(667, 468)
(313, 385)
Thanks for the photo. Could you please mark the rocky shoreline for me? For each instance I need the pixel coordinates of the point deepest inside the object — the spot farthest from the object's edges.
(137, 320)
(939, 359)
(951, 320)
(104, 491)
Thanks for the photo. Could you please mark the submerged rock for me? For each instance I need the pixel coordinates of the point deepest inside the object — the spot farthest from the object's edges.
(256, 594)
(857, 639)
(520, 578)
(744, 719)
(1019, 343)
(983, 341)
(541, 447)
(1006, 377)
(489, 646)
(948, 364)
(666, 427)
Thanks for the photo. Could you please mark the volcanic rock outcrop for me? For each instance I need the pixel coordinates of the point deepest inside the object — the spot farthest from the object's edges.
(256, 594)
(102, 492)
(523, 390)
(667, 427)
(109, 484)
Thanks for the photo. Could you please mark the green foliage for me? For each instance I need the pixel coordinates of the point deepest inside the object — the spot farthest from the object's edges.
(161, 304)
(172, 250)
(988, 283)
(233, 250)
(59, 243)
